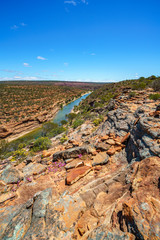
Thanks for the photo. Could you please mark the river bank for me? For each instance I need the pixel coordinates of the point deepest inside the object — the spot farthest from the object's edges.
(34, 124)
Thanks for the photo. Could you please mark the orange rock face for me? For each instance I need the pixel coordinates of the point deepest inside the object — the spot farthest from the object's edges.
(125, 137)
(77, 173)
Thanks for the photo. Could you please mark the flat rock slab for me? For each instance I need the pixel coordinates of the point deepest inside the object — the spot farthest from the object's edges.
(6, 196)
(100, 159)
(75, 174)
(73, 164)
(70, 153)
(33, 169)
(11, 175)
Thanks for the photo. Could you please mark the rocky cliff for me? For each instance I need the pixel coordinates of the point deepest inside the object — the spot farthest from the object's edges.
(102, 183)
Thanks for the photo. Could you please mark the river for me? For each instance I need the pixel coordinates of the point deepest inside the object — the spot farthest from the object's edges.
(61, 115)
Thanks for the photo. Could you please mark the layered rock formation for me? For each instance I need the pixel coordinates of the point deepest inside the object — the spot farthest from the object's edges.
(100, 184)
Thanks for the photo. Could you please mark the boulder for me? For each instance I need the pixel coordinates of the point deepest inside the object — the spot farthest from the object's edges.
(7, 196)
(73, 164)
(33, 169)
(75, 174)
(100, 159)
(11, 175)
(70, 153)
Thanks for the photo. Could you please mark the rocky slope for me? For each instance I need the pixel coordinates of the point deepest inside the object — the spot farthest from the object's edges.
(101, 184)
(15, 130)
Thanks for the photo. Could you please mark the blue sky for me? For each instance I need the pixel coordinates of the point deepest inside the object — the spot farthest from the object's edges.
(79, 40)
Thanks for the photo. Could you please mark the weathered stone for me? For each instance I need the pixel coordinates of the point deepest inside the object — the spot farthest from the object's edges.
(104, 138)
(73, 164)
(111, 151)
(7, 196)
(110, 141)
(100, 159)
(33, 169)
(125, 137)
(102, 146)
(11, 175)
(77, 173)
(70, 153)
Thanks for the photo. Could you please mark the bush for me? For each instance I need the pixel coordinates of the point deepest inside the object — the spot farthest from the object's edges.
(154, 96)
(63, 139)
(21, 145)
(63, 122)
(156, 85)
(3, 146)
(139, 86)
(48, 127)
(71, 116)
(42, 143)
(131, 94)
(97, 121)
(20, 154)
(77, 123)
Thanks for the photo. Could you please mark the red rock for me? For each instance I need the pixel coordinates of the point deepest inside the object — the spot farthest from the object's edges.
(125, 137)
(111, 151)
(104, 138)
(77, 173)
(110, 141)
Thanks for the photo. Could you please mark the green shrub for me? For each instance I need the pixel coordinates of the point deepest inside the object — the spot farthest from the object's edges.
(3, 147)
(97, 121)
(156, 85)
(21, 145)
(56, 131)
(139, 86)
(154, 96)
(77, 123)
(63, 122)
(131, 94)
(48, 127)
(20, 154)
(71, 116)
(63, 139)
(42, 143)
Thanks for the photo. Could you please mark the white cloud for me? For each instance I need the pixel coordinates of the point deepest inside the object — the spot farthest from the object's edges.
(17, 77)
(23, 24)
(14, 27)
(75, 2)
(26, 65)
(137, 75)
(93, 54)
(66, 64)
(41, 58)
(71, 2)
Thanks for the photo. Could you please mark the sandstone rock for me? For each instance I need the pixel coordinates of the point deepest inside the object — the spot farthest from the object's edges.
(102, 146)
(11, 175)
(7, 196)
(70, 153)
(111, 151)
(86, 223)
(77, 173)
(104, 138)
(100, 159)
(15, 221)
(33, 169)
(125, 137)
(3, 187)
(110, 141)
(46, 153)
(73, 164)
